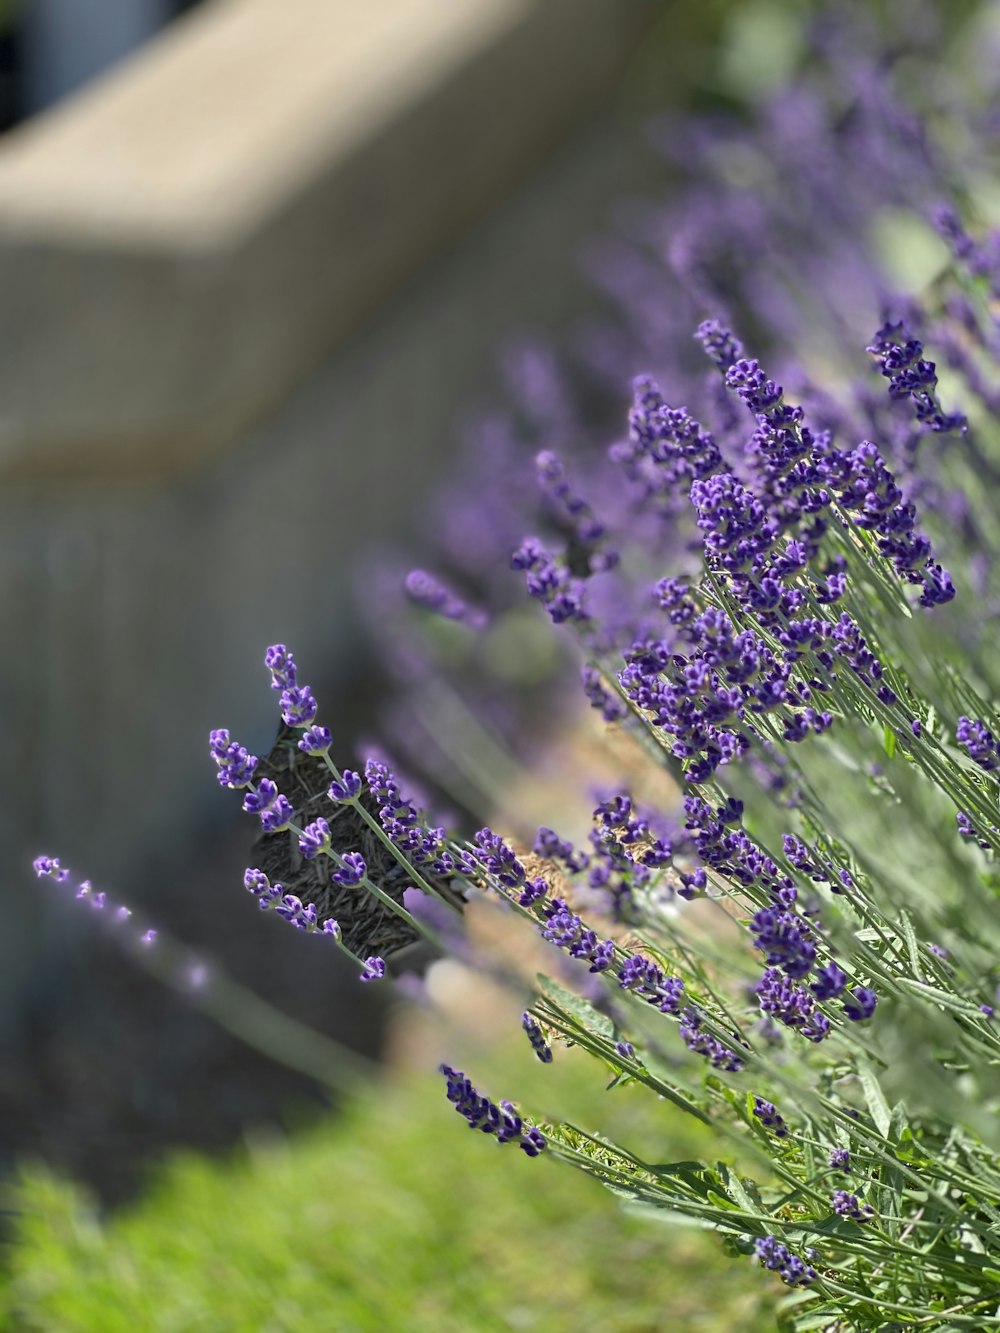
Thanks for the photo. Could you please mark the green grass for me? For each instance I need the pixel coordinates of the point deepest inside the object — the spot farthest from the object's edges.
(392, 1216)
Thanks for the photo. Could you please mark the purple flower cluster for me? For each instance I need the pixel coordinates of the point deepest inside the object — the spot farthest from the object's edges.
(801, 473)
(849, 1206)
(303, 916)
(644, 978)
(345, 788)
(536, 1037)
(866, 488)
(840, 1159)
(608, 704)
(727, 848)
(901, 361)
(699, 1041)
(780, 998)
(980, 745)
(236, 766)
(49, 867)
(666, 447)
(628, 844)
(315, 740)
(779, 1259)
(315, 839)
(430, 593)
(501, 1121)
(298, 707)
(497, 857)
(273, 809)
(785, 940)
(550, 582)
(769, 1116)
(549, 845)
(373, 969)
(785, 937)
(967, 829)
(563, 928)
(401, 820)
(352, 871)
(860, 1004)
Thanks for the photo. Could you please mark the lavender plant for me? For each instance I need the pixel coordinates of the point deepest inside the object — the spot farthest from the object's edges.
(849, 1043)
(784, 604)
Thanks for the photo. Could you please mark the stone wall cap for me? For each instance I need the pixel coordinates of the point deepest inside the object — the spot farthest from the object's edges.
(206, 131)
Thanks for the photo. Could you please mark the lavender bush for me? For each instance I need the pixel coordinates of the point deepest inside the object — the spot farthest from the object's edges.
(784, 603)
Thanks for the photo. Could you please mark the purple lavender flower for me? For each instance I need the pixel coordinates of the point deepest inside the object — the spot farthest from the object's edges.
(860, 1007)
(759, 393)
(315, 839)
(549, 845)
(783, 938)
(277, 817)
(298, 707)
(537, 1038)
(566, 930)
(779, 997)
(900, 359)
(770, 1117)
(316, 740)
(401, 822)
(235, 765)
(258, 884)
(303, 916)
(830, 981)
(117, 916)
(775, 1256)
(373, 970)
(352, 870)
(849, 1206)
(978, 741)
(260, 797)
(345, 788)
(703, 1043)
(840, 1159)
(49, 867)
(501, 1121)
(550, 582)
(625, 1049)
(279, 661)
(273, 809)
(719, 344)
(298, 914)
(498, 858)
(431, 593)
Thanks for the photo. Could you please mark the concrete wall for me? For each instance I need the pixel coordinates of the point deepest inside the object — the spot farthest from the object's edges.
(247, 283)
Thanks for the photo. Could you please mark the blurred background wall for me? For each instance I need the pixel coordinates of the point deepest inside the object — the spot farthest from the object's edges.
(248, 274)
(253, 262)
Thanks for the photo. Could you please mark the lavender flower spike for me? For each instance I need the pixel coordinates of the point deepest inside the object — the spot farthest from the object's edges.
(979, 743)
(236, 766)
(779, 1259)
(501, 1121)
(431, 593)
(281, 664)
